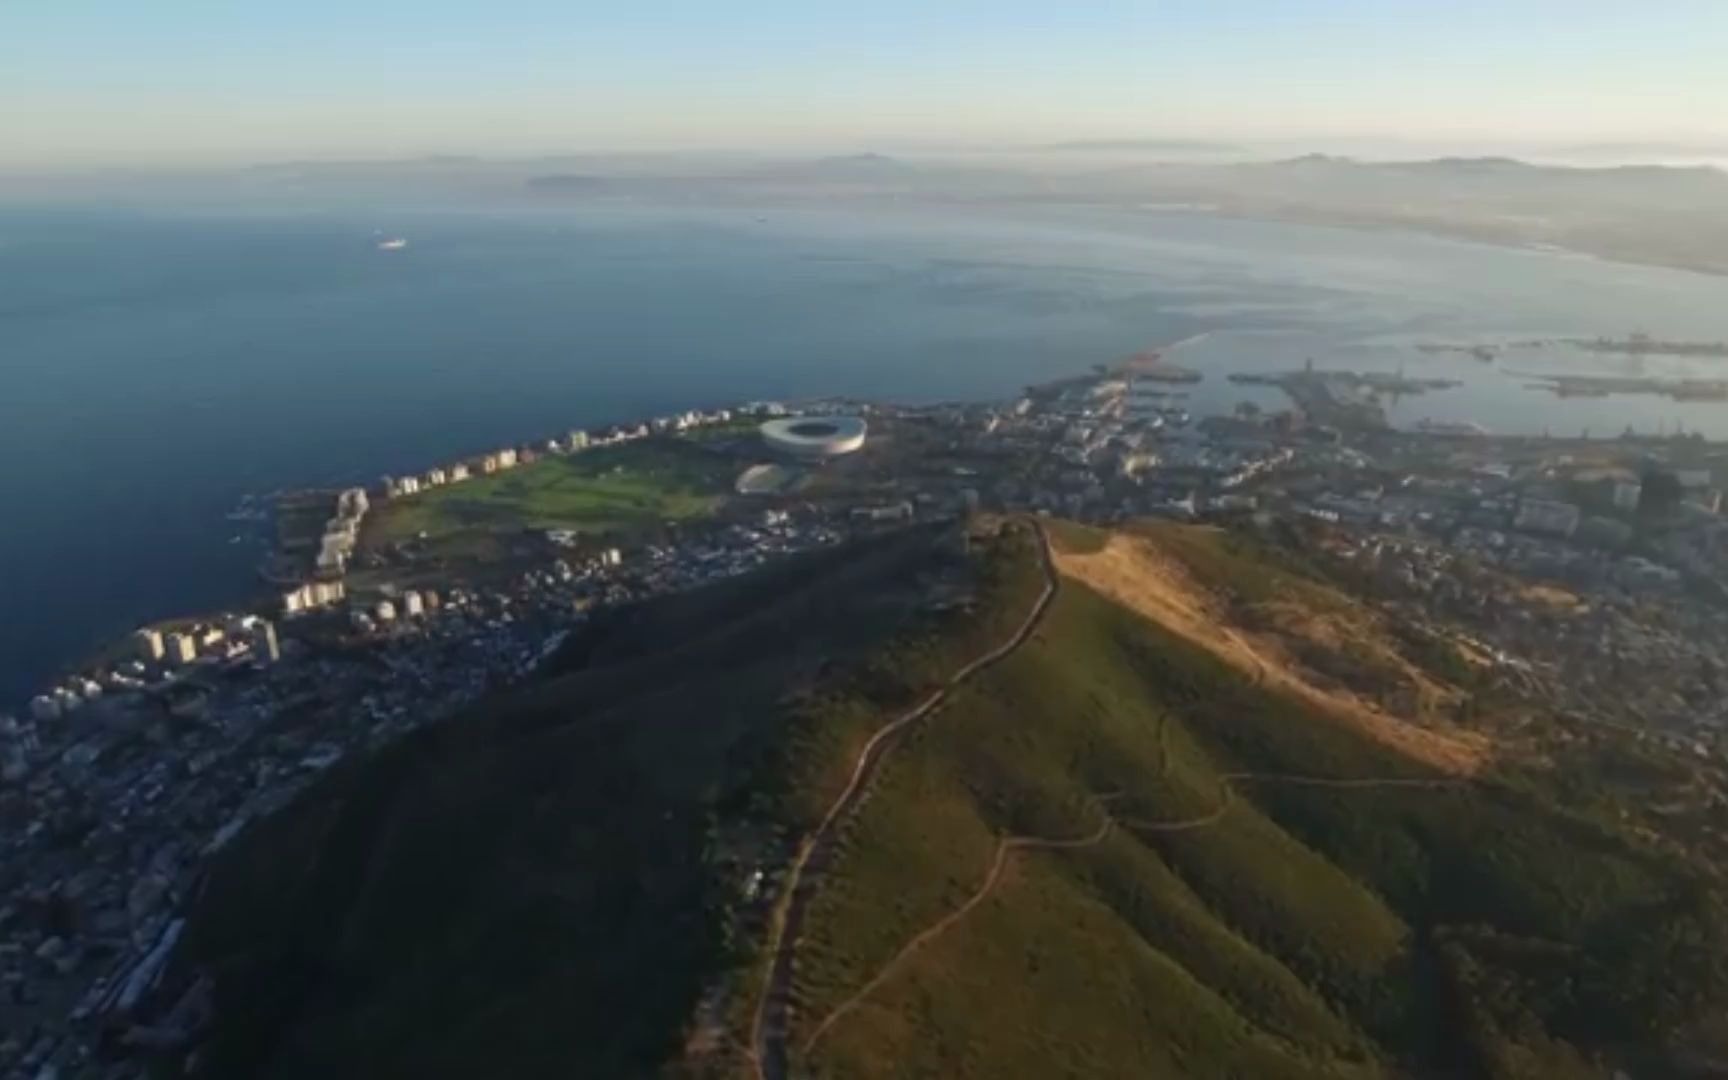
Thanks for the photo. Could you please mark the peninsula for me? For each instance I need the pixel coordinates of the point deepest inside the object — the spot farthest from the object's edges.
(1460, 623)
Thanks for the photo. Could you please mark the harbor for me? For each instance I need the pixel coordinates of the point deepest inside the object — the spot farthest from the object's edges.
(1641, 344)
(1587, 386)
(1635, 344)
(1345, 399)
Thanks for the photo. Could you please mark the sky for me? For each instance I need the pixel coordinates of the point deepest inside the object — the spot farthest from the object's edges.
(199, 82)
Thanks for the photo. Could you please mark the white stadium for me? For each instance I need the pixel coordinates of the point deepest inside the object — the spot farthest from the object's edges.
(815, 437)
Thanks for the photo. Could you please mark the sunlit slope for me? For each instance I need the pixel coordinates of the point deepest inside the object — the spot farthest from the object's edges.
(1159, 841)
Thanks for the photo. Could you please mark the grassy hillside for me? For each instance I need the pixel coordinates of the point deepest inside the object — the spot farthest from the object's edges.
(1224, 924)
(1177, 832)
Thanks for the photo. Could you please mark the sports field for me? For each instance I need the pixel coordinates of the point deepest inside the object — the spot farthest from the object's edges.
(612, 488)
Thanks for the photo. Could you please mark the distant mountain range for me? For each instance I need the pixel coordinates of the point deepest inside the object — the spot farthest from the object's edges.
(1507, 166)
(848, 167)
(1648, 150)
(1660, 214)
(1149, 146)
(1663, 214)
(952, 175)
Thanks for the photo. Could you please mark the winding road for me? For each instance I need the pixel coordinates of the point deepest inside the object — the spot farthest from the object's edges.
(768, 1027)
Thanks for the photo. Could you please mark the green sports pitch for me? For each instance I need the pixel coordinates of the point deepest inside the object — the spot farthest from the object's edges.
(608, 489)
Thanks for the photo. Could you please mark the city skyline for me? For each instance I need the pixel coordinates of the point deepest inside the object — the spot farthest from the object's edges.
(102, 84)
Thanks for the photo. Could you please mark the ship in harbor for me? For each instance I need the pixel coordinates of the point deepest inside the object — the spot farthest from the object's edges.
(1637, 343)
(1152, 365)
(1450, 427)
(1595, 386)
(1484, 353)
(1642, 344)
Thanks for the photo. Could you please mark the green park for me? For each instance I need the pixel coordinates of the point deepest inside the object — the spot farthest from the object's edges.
(606, 489)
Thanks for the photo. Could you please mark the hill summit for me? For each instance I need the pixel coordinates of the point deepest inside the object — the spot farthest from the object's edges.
(1004, 799)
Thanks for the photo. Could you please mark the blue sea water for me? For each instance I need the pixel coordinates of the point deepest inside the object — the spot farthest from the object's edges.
(157, 366)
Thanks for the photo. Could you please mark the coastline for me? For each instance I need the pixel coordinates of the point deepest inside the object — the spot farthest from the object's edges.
(1462, 232)
(279, 590)
(266, 593)
(136, 580)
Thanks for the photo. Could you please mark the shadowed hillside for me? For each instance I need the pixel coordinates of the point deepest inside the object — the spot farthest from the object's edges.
(532, 885)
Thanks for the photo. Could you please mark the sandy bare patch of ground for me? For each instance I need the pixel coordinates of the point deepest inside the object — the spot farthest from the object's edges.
(1134, 572)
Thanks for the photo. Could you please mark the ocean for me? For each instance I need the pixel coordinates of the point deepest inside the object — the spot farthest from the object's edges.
(158, 366)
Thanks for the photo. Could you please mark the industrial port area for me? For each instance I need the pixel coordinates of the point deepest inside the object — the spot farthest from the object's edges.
(389, 608)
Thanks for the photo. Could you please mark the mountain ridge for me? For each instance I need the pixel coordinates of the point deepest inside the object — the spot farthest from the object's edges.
(1013, 820)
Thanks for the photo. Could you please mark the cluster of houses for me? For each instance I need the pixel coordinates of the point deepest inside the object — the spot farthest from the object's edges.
(412, 604)
(157, 657)
(158, 651)
(341, 533)
(1100, 446)
(312, 596)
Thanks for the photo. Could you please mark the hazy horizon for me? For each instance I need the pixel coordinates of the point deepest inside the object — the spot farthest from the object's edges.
(1077, 152)
(105, 85)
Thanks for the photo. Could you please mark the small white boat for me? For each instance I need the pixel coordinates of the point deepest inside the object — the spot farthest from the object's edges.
(394, 243)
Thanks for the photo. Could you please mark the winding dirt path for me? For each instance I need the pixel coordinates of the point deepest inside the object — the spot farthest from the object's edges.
(1009, 846)
(768, 1027)
(1005, 850)
(767, 1048)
